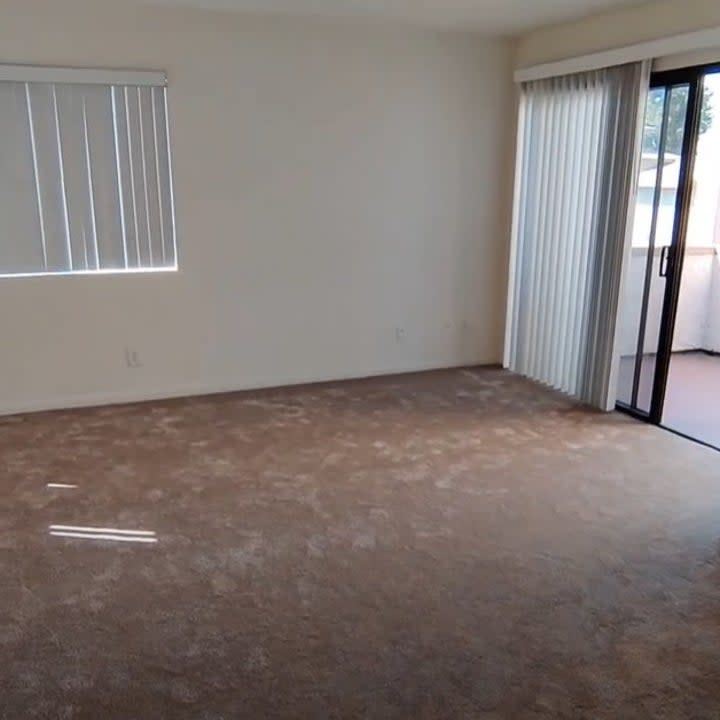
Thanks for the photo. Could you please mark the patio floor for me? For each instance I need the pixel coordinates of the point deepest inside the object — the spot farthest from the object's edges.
(692, 400)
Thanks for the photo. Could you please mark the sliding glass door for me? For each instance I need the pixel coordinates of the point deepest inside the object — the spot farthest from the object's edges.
(649, 310)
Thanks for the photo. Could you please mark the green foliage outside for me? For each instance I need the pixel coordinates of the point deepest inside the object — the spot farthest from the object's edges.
(676, 119)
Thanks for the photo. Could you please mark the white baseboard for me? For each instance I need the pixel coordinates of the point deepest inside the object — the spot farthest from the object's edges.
(132, 395)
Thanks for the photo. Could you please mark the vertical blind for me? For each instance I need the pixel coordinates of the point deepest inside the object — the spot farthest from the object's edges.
(578, 146)
(85, 177)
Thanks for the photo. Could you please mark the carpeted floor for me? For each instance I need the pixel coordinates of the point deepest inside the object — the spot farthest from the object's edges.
(458, 544)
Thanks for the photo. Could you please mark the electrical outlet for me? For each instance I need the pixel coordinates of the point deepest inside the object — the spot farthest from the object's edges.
(399, 334)
(132, 358)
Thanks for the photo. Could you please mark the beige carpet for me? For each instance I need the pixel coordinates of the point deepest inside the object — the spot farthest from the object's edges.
(458, 544)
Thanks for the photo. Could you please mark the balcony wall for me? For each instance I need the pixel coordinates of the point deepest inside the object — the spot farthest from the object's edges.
(698, 321)
(712, 335)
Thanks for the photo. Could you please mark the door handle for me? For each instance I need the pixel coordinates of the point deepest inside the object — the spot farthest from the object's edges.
(665, 260)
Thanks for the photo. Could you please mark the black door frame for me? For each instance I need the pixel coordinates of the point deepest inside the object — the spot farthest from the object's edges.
(693, 77)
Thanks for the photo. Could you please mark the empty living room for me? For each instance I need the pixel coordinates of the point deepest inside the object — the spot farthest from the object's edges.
(359, 359)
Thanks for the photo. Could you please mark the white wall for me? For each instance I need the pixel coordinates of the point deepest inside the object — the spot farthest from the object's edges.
(645, 22)
(333, 183)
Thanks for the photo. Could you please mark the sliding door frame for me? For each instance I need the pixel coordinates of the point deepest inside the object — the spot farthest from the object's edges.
(676, 254)
(693, 77)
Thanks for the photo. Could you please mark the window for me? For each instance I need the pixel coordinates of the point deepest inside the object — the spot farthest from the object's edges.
(85, 172)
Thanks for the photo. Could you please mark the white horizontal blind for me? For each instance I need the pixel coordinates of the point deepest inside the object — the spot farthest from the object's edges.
(576, 151)
(85, 178)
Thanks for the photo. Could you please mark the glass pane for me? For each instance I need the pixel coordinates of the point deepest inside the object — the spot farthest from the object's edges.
(692, 402)
(653, 230)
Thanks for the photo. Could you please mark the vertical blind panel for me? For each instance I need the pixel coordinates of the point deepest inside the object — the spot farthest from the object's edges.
(163, 170)
(103, 178)
(562, 137)
(625, 119)
(84, 178)
(21, 247)
(143, 168)
(567, 223)
(69, 100)
(50, 186)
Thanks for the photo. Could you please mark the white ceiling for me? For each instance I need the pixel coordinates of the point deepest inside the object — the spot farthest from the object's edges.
(488, 16)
